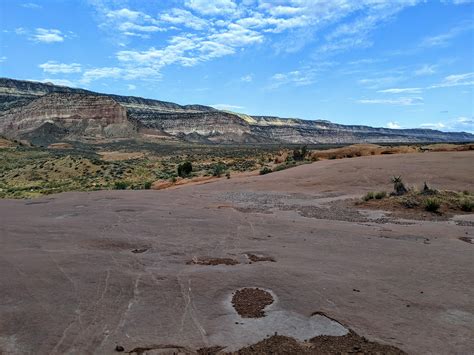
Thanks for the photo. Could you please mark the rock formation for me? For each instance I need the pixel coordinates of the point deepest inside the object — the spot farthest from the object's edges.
(47, 113)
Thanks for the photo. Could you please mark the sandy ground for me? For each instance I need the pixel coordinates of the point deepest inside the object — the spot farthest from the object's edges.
(83, 272)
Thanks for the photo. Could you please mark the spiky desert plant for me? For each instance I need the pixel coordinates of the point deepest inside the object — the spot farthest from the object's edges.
(398, 186)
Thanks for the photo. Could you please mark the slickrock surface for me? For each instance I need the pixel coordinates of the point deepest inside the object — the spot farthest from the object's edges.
(72, 281)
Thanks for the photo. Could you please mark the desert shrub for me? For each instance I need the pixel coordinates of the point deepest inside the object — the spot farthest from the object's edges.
(398, 186)
(265, 170)
(120, 185)
(467, 205)
(185, 169)
(227, 175)
(409, 202)
(218, 169)
(332, 157)
(147, 185)
(432, 205)
(300, 154)
(380, 195)
(369, 196)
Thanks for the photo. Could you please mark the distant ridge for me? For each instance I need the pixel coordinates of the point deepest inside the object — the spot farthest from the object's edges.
(44, 112)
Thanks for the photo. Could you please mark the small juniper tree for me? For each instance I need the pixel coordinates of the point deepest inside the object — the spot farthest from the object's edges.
(185, 169)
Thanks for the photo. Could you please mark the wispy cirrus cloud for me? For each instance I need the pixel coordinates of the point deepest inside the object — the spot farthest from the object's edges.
(227, 107)
(31, 5)
(225, 27)
(247, 78)
(54, 67)
(401, 101)
(426, 69)
(465, 79)
(401, 91)
(444, 39)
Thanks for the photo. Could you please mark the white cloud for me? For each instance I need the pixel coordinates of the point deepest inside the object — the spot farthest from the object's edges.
(247, 78)
(426, 70)
(131, 87)
(185, 18)
(211, 7)
(48, 35)
(444, 39)
(21, 31)
(62, 82)
(126, 73)
(383, 81)
(438, 125)
(401, 91)
(227, 107)
(296, 77)
(402, 101)
(462, 123)
(53, 67)
(2, 59)
(101, 73)
(393, 125)
(31, 5)
(455, 80)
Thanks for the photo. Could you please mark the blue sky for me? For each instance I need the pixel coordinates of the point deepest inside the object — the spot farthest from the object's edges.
(391, 63)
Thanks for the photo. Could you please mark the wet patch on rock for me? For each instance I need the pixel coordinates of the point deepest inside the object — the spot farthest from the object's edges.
(251, 302)
(114, 245)
(255, 258)
(410, 238)
(139, 250)
(469, 240)
(212, 261)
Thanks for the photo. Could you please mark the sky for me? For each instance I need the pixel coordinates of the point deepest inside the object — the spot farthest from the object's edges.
(383, 63)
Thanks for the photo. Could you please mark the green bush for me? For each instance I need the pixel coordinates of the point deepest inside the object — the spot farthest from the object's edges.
(147, 185)
(432, 205)
(265, 170)
(185, 169)
(380, 195)
(300, 154)
(369, 196)
(218, 169)
(120, 185)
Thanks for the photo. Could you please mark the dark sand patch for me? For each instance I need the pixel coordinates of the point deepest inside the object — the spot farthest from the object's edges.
(254, 258)
(320, 345)
(213, 261)
(250, 302)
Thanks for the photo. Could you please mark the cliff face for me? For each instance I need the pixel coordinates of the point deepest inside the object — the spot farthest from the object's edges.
(37, 111)
(75, 115)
